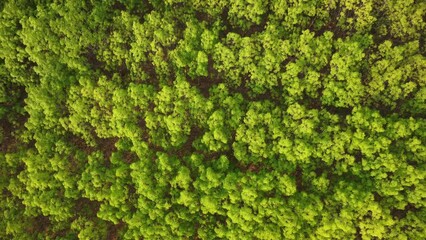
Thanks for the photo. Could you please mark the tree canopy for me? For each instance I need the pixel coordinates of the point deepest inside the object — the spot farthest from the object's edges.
(243, 119)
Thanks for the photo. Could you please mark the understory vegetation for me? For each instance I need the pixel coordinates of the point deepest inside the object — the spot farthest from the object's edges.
(190, 119)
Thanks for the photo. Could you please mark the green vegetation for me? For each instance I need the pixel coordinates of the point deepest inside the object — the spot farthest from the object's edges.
(278, 119)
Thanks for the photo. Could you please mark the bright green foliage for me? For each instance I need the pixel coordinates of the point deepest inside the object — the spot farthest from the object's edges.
(343, 87)
(244, 119)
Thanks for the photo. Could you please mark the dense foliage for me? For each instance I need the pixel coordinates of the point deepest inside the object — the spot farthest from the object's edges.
(243, 119)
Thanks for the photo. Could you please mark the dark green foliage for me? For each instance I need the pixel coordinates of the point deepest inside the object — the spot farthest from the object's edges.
(175, 119)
